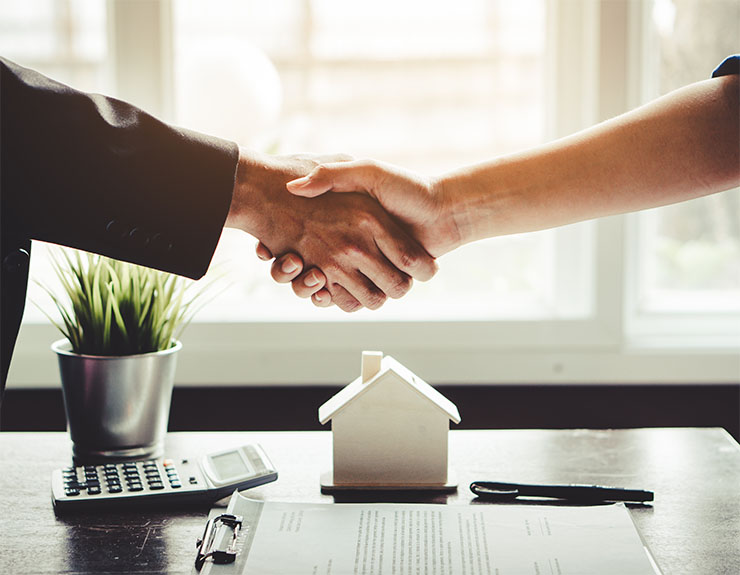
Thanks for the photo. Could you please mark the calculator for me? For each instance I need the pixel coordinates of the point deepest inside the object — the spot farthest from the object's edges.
(161, 481)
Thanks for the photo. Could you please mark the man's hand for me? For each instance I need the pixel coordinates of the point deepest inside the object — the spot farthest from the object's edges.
(364, 254)
(288, 268)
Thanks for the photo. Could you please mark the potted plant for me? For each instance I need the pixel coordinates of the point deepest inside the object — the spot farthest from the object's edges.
(121, 325)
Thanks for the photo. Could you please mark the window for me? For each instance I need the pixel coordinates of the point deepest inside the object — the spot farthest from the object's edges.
(429, 85)
(414, 83)
(687, 256)
(65, 39)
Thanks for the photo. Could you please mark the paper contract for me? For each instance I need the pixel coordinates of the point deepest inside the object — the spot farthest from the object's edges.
(392, 539)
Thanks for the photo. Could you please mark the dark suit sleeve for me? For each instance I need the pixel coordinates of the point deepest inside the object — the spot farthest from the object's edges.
(95, 173)
(730, 65)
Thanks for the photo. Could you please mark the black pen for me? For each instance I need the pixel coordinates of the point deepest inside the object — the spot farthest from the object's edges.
(495, 491)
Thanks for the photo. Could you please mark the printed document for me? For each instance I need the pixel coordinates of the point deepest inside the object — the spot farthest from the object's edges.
(427, 539)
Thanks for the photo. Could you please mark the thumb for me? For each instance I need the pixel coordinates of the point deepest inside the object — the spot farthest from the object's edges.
(335, 177)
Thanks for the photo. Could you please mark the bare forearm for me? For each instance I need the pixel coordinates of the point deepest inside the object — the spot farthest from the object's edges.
(684, 145)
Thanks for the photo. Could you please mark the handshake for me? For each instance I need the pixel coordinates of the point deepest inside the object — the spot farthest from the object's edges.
(353, 233)
(350, 233)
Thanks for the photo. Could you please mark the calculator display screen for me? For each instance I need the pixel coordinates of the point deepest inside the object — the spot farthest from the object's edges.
(229, 464)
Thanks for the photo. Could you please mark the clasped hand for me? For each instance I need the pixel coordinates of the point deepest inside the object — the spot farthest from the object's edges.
(340, 248)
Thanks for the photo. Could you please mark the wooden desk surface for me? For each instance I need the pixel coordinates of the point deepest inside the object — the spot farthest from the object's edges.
(693, 527)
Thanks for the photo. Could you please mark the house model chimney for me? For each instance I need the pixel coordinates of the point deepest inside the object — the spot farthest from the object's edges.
(370, 364)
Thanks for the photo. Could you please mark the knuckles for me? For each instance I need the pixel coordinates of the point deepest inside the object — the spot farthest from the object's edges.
(400, 287)
(366, 221)
(348, 305)
(321, 173)
(376, 300)
(410, 260)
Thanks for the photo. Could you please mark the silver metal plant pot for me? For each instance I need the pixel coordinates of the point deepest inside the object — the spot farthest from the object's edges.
(117, 406)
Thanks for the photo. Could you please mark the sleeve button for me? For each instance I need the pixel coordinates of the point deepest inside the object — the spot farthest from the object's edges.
(115, 229)
(138, 238)
(16, 261)
(160, 243)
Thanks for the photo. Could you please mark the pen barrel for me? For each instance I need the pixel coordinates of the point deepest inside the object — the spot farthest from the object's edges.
(584, 493)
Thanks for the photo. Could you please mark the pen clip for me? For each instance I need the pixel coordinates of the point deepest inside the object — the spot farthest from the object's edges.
(494, 491)
(205, 543)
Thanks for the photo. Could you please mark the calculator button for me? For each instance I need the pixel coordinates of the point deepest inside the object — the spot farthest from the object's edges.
(155, 486)
(93, 491)
(137, 487)
(71, 492)
(175, 484)
(115, 489)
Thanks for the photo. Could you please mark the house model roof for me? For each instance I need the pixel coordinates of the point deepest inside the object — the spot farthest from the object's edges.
(388, 367)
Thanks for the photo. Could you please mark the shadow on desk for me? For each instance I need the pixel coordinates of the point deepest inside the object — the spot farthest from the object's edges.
(481, 407)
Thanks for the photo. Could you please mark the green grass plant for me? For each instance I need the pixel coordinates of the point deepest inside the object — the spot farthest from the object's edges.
(115, 308)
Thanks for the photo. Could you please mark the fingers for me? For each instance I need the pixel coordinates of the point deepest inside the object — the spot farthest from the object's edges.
(342, 298)
(322, 298)
(263, 252)
(309, 283)
(286, 268)
(337, 177)
(405, 254)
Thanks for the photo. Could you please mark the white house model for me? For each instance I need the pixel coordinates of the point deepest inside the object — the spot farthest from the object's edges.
(389, 429)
